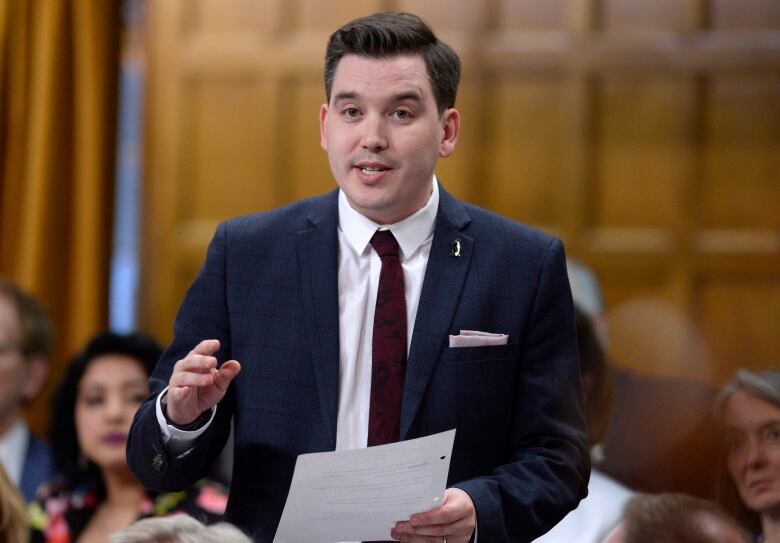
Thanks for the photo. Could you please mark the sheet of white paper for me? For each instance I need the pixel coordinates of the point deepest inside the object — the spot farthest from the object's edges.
(359, 494)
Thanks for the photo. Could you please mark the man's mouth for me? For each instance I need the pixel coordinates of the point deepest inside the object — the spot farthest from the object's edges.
(371, 171)
(371, 168)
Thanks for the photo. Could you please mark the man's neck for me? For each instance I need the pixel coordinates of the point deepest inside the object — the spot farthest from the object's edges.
(9, 420)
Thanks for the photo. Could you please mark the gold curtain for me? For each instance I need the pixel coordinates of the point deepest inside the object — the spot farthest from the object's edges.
(58, 87)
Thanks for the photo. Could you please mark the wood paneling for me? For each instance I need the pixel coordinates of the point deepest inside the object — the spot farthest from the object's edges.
(645, 134)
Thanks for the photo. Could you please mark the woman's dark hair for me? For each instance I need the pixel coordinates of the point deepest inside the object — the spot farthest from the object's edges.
(385, 35)
(68, 460)
(593, 366)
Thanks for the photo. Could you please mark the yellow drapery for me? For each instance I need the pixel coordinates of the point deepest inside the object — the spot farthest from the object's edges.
(58, 86)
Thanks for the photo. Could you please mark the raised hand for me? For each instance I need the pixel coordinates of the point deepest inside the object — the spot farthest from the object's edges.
(196, 384)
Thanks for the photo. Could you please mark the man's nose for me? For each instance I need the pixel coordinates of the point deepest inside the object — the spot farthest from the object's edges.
(374, 136)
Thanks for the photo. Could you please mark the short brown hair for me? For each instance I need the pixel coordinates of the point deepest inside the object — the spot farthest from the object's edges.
(673, 518)
(37, 334)
(389, 34)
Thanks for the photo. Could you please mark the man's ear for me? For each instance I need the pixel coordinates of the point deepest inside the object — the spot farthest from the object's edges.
(37, 372)
(323, 127)
(450, 132)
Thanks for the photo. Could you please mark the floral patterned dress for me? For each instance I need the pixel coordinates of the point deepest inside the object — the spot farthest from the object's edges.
(59, 516)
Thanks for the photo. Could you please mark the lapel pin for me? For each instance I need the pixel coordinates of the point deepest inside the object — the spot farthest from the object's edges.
(455, 248)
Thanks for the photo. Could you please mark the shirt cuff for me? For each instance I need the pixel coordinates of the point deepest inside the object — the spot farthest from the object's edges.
(177, 441)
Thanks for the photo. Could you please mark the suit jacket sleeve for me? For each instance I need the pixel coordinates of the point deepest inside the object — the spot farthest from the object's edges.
(549, 464)
(202, 315)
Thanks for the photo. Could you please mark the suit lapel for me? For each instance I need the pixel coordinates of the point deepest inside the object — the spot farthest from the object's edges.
(318, 257)
(441, 290)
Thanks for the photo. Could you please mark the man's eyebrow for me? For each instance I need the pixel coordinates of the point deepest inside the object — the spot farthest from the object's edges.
(413, 96)
(345, 95)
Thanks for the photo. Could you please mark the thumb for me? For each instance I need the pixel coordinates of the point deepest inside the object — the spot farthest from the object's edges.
(225, 374)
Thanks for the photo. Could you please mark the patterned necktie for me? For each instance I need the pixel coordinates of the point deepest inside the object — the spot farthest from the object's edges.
(388, 355)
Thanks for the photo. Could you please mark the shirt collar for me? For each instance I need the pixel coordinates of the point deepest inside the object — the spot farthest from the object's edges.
(411, 232)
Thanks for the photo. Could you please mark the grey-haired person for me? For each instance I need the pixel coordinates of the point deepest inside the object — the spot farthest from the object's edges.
(748, 409)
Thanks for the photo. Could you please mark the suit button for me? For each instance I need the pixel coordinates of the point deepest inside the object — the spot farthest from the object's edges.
(159, 462)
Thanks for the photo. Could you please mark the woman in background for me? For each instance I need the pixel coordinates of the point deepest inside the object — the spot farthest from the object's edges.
(749, 410)
(96, 493)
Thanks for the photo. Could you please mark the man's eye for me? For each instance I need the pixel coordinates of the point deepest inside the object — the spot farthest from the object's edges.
(351, 112)
(401, 114)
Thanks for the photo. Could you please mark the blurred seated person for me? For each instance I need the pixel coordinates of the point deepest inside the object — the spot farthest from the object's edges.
(675, 518)
(660, 436)
(96, 494)
(600, 511)
(13, 526)
(25, 344)
(178, 529)
(748, 409)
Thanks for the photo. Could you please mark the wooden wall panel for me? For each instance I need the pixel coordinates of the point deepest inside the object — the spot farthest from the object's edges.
(228, 16)
(645, 134)
(745, 14)
(534, 15)
(741, 136)
(523, 147)
(739, 315)
(641, 150)
(316, 15)
(307, 168)
(633, 15)
(231, 138)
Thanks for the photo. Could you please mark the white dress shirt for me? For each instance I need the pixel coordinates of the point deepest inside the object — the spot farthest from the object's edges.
(359, 268)
(13, 449)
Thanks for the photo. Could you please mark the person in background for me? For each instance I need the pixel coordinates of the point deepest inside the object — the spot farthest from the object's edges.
(600, 511)
(178, 529)
(660, 436)
(13, 527)
(675, 518)
(25, 344)
(748, 410)
(95, 493)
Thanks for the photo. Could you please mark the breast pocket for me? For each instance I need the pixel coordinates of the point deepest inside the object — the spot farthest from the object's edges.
(474, 389)
(484, 353)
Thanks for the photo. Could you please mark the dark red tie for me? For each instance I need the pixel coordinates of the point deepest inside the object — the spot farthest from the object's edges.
(388, 353)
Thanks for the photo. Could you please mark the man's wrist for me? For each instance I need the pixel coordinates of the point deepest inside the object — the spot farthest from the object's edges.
(199, 422)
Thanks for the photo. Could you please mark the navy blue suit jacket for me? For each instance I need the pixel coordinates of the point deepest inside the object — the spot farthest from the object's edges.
(37, 469)
(269, 292)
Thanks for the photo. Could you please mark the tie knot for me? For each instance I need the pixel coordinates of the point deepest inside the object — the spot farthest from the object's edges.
(384, 243)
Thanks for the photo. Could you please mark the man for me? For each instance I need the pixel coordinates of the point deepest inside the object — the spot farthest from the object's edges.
(675, 518)
(290, 298)
(25, 344)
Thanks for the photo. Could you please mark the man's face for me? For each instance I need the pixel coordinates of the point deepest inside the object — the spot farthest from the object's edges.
(12, 364)
(383, 134)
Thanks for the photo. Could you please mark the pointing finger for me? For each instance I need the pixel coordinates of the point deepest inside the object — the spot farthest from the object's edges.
(206, 347)
(226, 373)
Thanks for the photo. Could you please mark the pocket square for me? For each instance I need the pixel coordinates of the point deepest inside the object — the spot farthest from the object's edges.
(475, 338)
